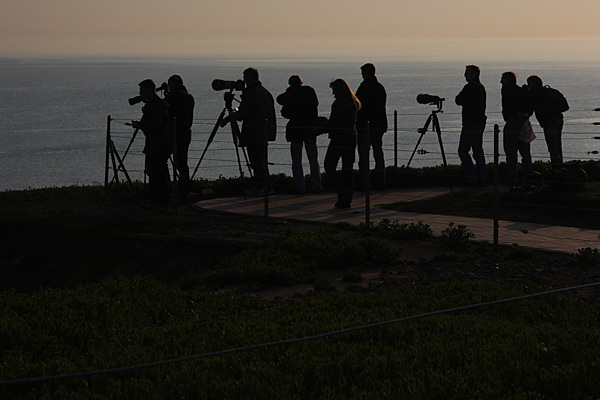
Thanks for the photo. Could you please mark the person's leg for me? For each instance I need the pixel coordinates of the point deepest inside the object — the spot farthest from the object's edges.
(297, 170)
(330, 164)
(313, 159)
(256, 157)
(464, 146)
(363, 156)
(525, 151)
(479, 156)
(510, 141)
(552, 134)
(348, 158)
(377, 145)
(158, 178)
(183, 170)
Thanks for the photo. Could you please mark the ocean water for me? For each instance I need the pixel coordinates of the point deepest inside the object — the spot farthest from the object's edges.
(53, 112)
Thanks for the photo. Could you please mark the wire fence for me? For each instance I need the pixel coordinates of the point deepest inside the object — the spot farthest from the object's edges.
(579, 138)
(581, 141)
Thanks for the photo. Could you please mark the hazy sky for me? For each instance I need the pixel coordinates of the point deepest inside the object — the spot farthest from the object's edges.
(412, 29)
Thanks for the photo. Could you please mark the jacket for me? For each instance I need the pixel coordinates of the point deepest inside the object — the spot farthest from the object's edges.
(154, 126)
(181, 107)
(300, 106)
(257, 110)
(516, 102)
(472, 98)
(342, 120)
(542, 103)
(373, 98)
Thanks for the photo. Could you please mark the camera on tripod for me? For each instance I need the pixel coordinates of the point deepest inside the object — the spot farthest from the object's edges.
(219, 84)
(430, 99)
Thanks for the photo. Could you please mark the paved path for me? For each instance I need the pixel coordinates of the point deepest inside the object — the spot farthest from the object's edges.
(319, 208)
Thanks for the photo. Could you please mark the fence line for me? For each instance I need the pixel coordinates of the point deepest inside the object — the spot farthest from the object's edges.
(429, 153)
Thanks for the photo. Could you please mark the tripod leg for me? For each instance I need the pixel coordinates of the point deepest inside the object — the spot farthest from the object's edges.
(235, 131)
(236, 134)
(422, 131)
(121, 165)
(135, 132)
(114, 163)
(209, 141)
(436, 125)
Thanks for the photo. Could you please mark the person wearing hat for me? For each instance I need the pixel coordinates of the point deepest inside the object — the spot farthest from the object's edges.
(181, 107)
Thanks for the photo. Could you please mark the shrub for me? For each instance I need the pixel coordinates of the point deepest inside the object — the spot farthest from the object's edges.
(456, 237)
(587, 257)
(395, 229)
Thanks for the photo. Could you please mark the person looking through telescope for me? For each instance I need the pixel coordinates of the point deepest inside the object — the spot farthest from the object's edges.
(257, 111)
(157, 147)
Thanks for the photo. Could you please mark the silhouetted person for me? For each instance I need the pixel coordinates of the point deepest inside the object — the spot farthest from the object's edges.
(181, 107)
(257, 110)
(472, 98)
(372, 97)
(341, 126)
(157, 146)
(549, 116)
(516, 109)
(300, 107)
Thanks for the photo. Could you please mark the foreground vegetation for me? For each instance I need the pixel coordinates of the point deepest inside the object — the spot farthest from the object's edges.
(543, 348)
(91, 284)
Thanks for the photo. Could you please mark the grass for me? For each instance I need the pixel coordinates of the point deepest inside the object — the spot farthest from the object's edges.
(543, 348)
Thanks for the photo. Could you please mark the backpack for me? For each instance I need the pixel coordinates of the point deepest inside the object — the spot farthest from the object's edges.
(558, 102)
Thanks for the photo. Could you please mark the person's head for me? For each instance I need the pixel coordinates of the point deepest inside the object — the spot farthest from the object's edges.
(295, 80)
(250, 75)
(508, 78)
(341, 89)
(367, 70)
(472, 73)
(175, 81)
(534, 82)
(147, 88)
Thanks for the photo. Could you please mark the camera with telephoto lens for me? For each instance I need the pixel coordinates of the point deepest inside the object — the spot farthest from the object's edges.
(429, 99)
(164, 87)
(135, 100)
(219, 84)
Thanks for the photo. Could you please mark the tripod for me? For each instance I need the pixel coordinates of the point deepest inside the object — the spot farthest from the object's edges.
(436, 126)
(235, 133)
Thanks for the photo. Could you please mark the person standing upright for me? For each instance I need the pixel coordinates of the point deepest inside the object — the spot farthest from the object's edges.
(181, 107)
(300, 106)
(549, 107)
(372, 96)
(341, 126)
(516, 110)
(157, 146)
(257, 110)
(472, 98)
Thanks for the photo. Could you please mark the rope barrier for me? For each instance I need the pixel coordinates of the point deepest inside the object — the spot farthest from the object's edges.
(79, 375)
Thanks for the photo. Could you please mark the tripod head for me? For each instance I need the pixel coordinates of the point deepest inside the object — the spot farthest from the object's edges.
(229, 97)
